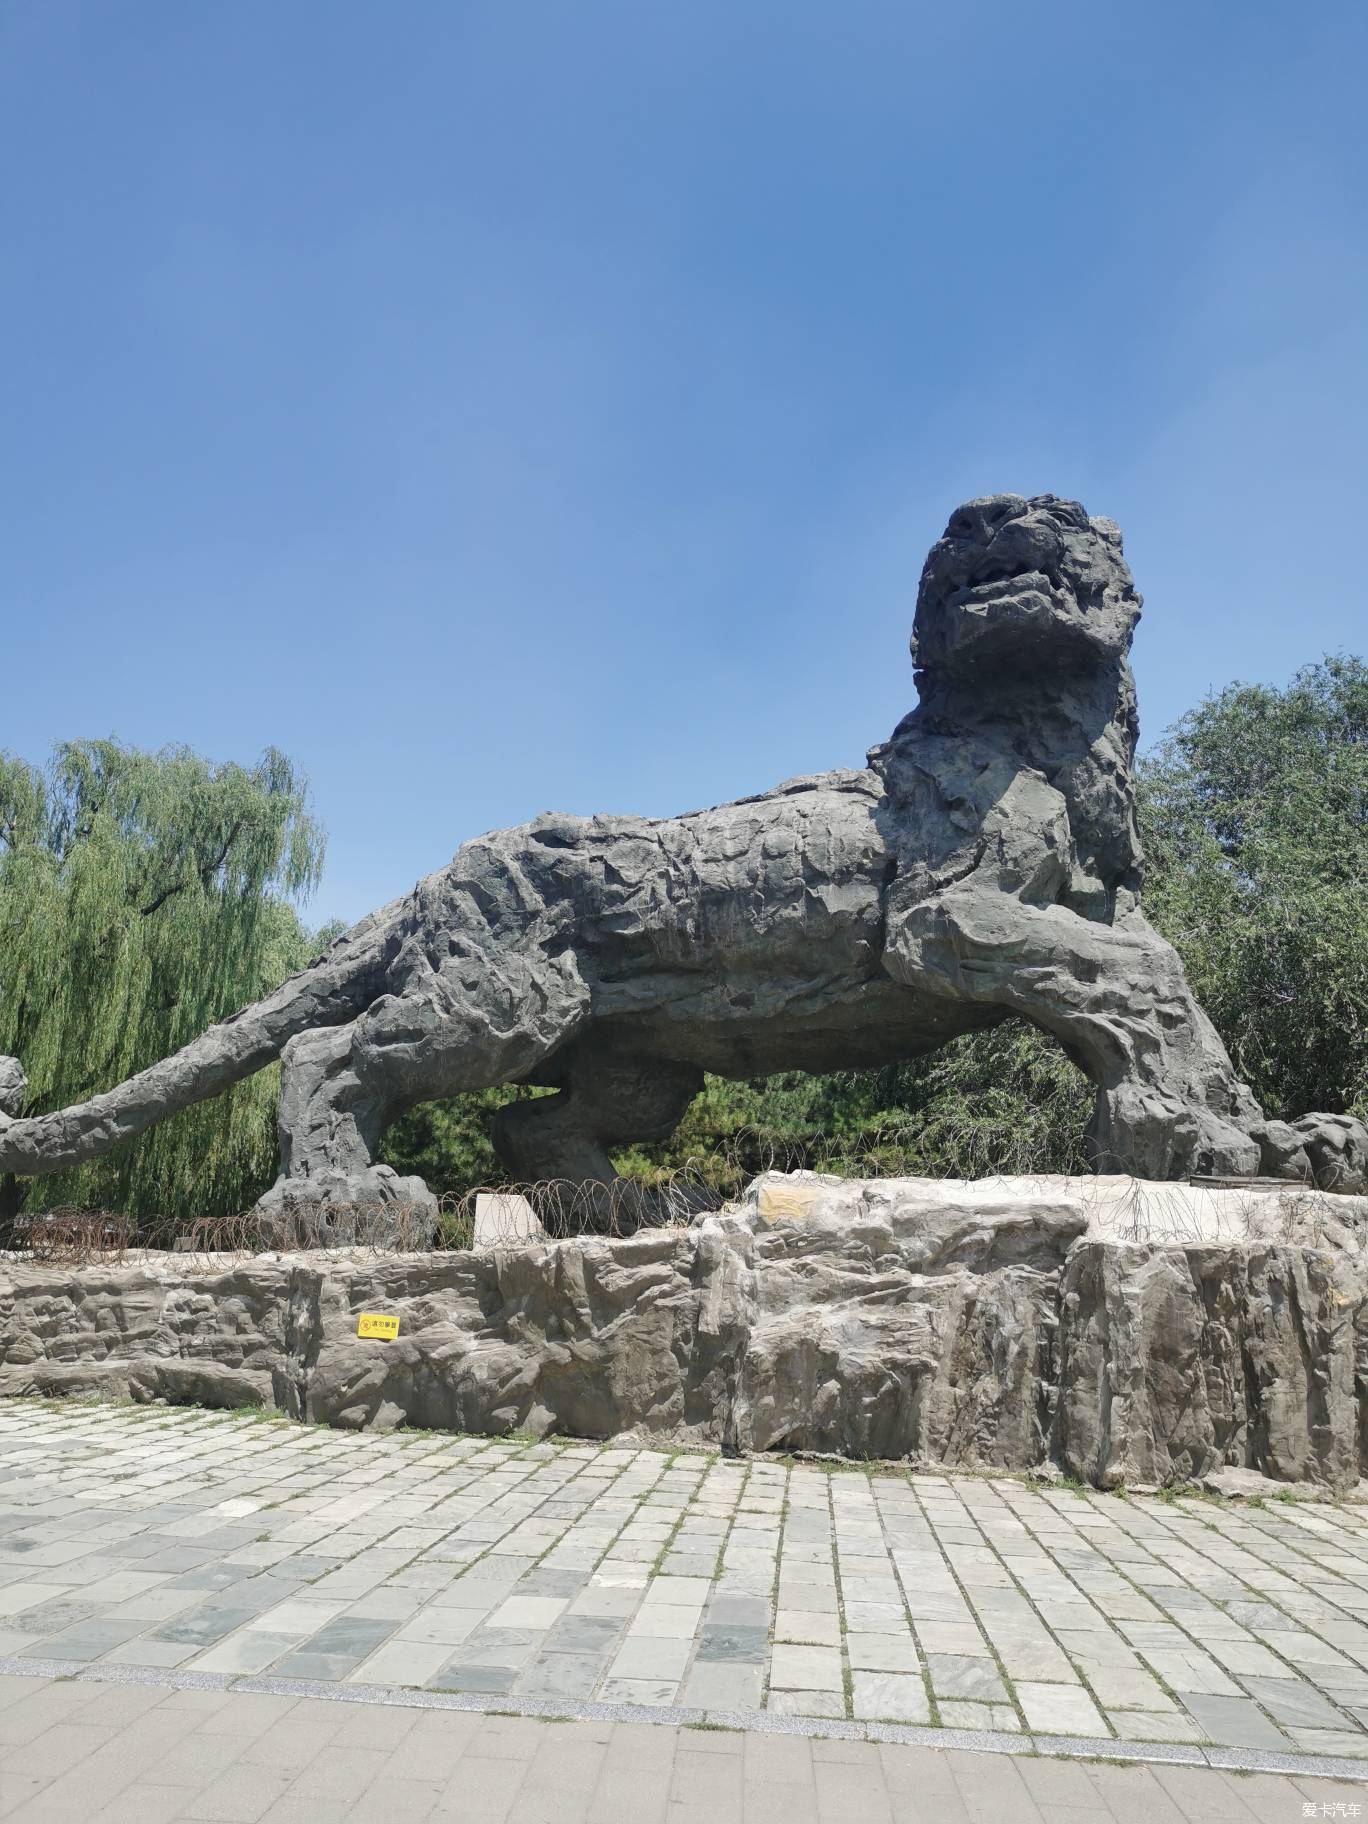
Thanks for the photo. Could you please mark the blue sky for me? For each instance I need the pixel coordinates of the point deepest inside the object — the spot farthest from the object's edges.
(511, 407)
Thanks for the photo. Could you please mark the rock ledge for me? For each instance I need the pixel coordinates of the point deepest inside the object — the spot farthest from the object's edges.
(1120, 1332)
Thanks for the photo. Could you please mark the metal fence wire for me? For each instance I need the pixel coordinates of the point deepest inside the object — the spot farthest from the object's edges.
(560, 1207)
(504, 1215)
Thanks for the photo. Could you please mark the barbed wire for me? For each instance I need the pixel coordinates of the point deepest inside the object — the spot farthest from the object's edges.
(73, 1236)
(499, 1215)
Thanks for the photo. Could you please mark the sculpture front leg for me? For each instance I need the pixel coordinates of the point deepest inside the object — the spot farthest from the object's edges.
(1168, 1103)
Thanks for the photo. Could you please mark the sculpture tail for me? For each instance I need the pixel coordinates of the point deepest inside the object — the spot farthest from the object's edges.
(340, 985)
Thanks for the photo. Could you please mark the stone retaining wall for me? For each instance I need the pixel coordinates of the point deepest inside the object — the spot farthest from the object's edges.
(995, 1331)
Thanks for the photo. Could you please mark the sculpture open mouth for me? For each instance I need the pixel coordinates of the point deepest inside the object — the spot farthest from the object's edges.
(1029, 618)
(1007, 597)
(1017, 585)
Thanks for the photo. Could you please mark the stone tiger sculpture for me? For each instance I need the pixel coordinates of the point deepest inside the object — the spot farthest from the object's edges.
(984, 863)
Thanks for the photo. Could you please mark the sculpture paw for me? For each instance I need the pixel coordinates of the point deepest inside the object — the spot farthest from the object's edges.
(1156, 1134)
(371, 1208)
(1326, 1150)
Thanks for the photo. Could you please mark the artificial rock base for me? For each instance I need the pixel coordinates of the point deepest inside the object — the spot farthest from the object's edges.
(1120, 1332)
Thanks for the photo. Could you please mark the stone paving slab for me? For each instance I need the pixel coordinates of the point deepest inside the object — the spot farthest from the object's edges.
(252, 1552)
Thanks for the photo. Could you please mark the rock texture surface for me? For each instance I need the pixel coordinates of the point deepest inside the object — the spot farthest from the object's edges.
(1000, 1325)
(984, 863)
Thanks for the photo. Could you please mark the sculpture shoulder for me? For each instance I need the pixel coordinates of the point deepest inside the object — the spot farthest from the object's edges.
(968, 774)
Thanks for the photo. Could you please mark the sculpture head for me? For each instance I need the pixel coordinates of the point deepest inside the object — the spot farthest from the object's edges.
(1022, 586)
(1024, 621)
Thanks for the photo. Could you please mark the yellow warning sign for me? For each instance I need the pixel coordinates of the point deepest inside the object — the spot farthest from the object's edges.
(378, 1324)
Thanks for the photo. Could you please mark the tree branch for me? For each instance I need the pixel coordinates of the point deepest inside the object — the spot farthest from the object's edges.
(206, 873)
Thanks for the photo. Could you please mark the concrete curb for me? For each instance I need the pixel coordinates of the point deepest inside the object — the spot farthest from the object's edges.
(755, 1722)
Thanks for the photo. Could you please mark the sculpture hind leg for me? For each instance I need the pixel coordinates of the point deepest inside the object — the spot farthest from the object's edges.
(607, 1100)
(330, 1121)
(481, 1019)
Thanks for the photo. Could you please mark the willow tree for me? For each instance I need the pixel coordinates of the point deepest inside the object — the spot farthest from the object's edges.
(142, 897)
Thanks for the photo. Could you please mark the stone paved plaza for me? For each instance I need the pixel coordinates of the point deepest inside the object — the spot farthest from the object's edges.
(253, 1556)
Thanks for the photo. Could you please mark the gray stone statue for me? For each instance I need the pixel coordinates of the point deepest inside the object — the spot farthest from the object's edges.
(984, 863)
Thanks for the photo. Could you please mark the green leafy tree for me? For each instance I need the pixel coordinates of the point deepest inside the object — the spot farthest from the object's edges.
(448, 1143)
(142, 897)
(1255, 820)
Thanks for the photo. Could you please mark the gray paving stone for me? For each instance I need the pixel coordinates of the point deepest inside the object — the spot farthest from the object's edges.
(805, 1669)
(960, 1713)
(348, 1636)
(1126, 1687)
(1330, 1742)
(1059, 1709)
(48, 1618)
(472, 1593)
(458, 1677)
(882, 1652)
(806, 1703)
(723, 1642)
(583, 1634)
(152, 1653)
(953, 1675)
(893, 1696)
(88, 1640)
(201, 1627)
(723, 1685)
(1292, 1701)
(1234, 1722)
(651, 1659)
(546, 1581)
(246, 1651)
(213, 1576)
(511, 1647)
(328, 1668)
(1152, 1725)
(561, 1675)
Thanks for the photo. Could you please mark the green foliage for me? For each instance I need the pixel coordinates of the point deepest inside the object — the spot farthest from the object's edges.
(1255, 822)
(448, 1143)
(1000, 1101)
(142, 897)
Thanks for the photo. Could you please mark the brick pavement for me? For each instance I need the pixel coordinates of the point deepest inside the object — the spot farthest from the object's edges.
(77, 1752)
(608, 1581)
